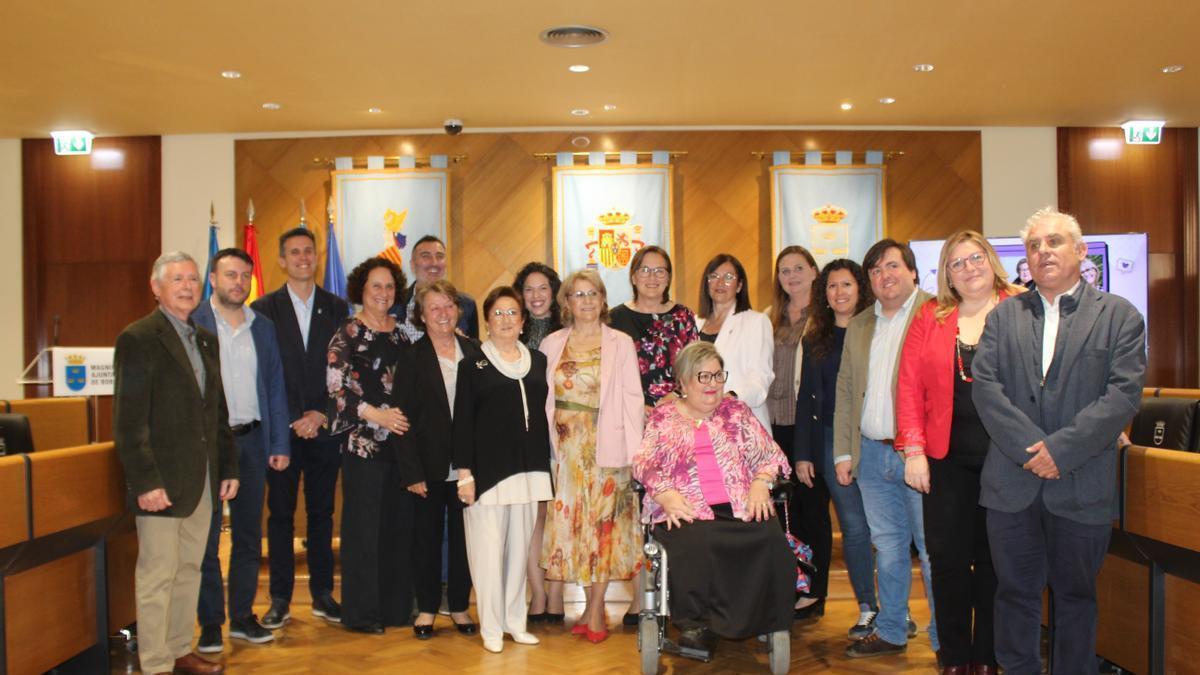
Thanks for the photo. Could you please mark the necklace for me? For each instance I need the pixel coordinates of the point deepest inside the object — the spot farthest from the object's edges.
(962, 372)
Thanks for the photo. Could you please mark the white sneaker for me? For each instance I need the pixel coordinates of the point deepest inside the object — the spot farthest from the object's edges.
(523, 638)
(494, 646)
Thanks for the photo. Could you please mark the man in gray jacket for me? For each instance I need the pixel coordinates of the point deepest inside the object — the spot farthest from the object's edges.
(1058, 375)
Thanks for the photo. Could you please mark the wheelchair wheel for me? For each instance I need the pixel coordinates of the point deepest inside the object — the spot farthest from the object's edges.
(779, 644)
(648, 643)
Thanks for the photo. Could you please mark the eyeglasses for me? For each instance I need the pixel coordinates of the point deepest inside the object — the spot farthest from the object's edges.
(656, 271)
(977, 261)
(728, 278)
(505, 312)
(789, 271)
(580, 295)
(704, 376)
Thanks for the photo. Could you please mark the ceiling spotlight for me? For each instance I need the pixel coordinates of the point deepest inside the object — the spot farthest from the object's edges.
(609, 107)
(374, 110)
(271, 106)
(581, 112)
(923, 67)
(847, 106)
(579, 68)
(887, 100)
(1174, 68)
(230, 74)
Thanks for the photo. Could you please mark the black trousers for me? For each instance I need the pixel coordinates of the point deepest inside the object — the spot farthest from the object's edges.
(377, 537)
(737, 578)
(317, 460)
(1031, 548)
(808, 512)
(439, 507)
(245, 538)
(964, 581)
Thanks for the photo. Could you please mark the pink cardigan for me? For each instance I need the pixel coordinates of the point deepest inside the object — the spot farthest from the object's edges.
(622, 415)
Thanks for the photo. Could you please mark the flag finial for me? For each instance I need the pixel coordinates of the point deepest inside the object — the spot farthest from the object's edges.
(329, 209)
(250, 211)
(212, 213)
(303, 215)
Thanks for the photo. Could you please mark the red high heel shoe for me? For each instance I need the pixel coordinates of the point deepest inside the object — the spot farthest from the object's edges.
(597, 637)
(579, 628)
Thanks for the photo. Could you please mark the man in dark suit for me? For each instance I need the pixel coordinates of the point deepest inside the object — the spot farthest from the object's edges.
(429, 264)
(1058, 374)
(305, 317)
(172, 435)
(252, 374)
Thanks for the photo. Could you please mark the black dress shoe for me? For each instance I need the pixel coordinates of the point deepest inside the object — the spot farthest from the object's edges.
(467, 628)
(325, 607)
(535, 618)
(698, 639)
(277, 615)
(368, 628)
(555, 619)
(423, 632)
(630, 619)
(811, 611)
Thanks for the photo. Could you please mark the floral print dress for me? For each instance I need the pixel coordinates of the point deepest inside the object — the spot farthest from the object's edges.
(658, 339)
(592, 524)
(361, 371)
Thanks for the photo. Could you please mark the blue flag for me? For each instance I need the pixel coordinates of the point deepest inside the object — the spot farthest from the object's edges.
(212, 253)
(335, 276)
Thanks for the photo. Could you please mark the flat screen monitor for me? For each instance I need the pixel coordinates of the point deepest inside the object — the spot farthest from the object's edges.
(15, 436)
(1115, 263)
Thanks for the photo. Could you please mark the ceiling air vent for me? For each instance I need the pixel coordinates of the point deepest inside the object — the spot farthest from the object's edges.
(574, 36)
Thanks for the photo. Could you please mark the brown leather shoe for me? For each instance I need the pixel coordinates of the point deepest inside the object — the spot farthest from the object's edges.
(981, 669)
(957, 670)
(873, 645)
(194, 665)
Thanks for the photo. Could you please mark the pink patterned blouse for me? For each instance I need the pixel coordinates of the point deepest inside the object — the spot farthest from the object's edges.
(667, 460)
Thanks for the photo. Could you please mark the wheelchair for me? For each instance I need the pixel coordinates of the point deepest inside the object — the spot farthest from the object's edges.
(656, 607)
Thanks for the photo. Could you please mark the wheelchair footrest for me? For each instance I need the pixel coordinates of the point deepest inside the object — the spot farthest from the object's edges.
(671, 647)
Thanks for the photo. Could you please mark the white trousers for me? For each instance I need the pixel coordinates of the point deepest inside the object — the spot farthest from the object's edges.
(497, 550)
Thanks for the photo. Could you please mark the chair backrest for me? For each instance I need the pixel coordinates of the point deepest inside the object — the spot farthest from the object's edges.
(1167, 423)
(15, 434)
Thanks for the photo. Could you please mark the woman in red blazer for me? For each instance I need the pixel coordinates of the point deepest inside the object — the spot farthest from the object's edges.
(944, 445)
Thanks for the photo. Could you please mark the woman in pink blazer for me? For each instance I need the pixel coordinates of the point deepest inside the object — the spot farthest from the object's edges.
(595, 413)
(944, 445)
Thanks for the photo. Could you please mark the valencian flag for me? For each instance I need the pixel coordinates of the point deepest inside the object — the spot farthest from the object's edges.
(250, 243)
(335, 276)
(212, 253)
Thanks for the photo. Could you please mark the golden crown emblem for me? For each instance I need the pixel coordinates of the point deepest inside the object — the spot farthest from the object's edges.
(829, 214)
(614, 218)
(76, 359)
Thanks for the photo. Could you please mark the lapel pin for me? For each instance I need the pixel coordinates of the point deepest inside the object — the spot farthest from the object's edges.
(481, 364)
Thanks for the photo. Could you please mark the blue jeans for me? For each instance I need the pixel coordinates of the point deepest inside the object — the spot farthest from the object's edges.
(245, 535)
(856, 536)
(895, 515)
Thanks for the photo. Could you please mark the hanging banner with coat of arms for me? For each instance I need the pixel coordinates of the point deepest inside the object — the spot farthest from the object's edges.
(833, 211)
(383, 212)
(604, 214)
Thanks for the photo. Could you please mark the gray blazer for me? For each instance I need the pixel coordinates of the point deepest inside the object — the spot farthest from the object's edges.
(1092, 390)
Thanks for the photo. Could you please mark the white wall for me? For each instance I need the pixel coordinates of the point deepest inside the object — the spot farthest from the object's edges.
(12, 347)
(1020, 176)
(197, 170)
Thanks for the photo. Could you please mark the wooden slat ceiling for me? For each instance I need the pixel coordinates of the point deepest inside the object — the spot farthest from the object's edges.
(124, 67)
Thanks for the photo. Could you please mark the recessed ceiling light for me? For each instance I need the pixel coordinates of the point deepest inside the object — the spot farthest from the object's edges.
(271, 106)
(579, 68)
(374, 110)
(581, 112)
(847, 106)
(1174, 68)
(573, 36)
(609, 107)
(887, 100)
(923, 67)
(230, 74)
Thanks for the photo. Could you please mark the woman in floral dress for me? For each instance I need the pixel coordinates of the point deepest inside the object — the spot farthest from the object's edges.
(596, 416)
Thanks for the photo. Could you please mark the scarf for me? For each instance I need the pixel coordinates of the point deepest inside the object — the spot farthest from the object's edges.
(515, 370)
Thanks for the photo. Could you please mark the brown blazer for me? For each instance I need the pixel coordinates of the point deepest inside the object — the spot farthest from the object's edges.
(167, 435)
(852, 380)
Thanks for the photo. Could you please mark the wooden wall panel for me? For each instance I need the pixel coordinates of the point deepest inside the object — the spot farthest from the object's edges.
(14, 526)
(501, 195)
(90, 236)
(1112, 188)
(51, 613)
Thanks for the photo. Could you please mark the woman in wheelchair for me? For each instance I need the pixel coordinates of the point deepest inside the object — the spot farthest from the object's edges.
(708, 466)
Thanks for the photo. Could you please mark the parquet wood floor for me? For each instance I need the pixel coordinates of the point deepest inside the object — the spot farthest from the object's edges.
(310, 645)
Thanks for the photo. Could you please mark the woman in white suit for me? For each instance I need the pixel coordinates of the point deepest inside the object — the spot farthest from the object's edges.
(743, 337)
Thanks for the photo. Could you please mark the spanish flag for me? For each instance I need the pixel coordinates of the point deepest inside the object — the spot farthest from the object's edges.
(250, 244)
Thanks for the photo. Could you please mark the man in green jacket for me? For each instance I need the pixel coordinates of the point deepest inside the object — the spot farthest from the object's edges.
(172, 434)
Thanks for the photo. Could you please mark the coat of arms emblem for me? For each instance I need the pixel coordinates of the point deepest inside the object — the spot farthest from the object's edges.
(612, 241)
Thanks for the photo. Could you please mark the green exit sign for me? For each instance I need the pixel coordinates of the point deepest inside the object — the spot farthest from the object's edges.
(75, 142)
(1143, 132)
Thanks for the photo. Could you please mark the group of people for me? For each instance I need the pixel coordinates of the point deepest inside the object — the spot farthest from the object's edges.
(947, 423)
